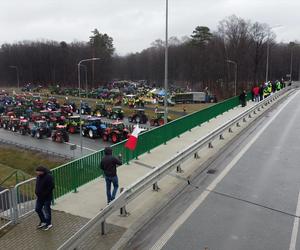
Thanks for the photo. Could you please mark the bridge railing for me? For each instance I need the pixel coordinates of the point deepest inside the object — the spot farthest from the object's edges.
(76, 173)
(152, 178)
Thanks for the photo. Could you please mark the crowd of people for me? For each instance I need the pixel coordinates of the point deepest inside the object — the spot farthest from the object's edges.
(266, 89)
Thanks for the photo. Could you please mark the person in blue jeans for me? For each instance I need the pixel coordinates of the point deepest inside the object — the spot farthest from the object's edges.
(109, 165)
(44, 193)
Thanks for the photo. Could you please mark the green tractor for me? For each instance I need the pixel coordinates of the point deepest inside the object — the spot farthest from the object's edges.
(73, 124)
(100, 110)
(116, 113)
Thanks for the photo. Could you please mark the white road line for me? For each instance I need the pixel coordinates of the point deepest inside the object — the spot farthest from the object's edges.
(78, 146)
(295, 227)
(188, 212)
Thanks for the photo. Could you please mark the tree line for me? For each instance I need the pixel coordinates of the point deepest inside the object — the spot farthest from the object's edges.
(196, 61)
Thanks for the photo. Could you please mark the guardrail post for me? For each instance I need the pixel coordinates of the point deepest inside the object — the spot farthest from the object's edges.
(13, 199)
(196, 155)
(238, 124)
(210, 145)
(230, 130)
(244, 119)
(221, 137)
(123, 211)
(103, 227)
(250, 116)
(179, 169)
(155, 187)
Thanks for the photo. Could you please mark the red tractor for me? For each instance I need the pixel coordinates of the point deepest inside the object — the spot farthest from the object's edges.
(60, 134)
(24, 127)
(158, 120)
(116, 133)
(13, 124)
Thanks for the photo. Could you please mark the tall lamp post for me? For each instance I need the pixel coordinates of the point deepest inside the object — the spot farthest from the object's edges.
(86, 81)
(79, 94)
(268, 51)
(17, 71)
(292, 44)
(166, 65)
(235, 74)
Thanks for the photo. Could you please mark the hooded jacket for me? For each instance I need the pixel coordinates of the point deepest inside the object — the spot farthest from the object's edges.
(109, 163)
(44, 185)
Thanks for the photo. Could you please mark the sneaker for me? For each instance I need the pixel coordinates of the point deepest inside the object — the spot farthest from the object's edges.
(41, 225)
(47, 227)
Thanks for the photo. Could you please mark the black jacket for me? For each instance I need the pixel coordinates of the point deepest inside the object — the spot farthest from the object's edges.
(109, 165)
(44, 186)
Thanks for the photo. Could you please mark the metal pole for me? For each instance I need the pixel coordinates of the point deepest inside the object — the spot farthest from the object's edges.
(80, 118)
(166, 65)
(268, 54)
(235, 79)
(79, 93)
(291, 69)
(86, 82)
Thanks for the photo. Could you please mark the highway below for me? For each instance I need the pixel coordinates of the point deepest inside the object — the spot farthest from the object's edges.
(251, 202)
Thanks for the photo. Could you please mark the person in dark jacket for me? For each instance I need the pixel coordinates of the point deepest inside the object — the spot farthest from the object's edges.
(44, 193)
(109, 165)
(243, 98)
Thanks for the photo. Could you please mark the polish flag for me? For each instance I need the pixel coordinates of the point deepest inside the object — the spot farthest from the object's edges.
(132, 140)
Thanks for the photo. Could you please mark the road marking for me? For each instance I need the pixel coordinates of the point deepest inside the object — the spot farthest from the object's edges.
(89, 149)
(78, 146)
(188, 212)
(295, 227)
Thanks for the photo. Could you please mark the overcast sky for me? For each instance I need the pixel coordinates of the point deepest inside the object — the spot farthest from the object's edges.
(134, 24)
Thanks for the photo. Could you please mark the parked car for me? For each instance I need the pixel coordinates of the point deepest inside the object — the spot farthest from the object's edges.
(116, 133)
(93, 127)
(40, 129)
(138, 116)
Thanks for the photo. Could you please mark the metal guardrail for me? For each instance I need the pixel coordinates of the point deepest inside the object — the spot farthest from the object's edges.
(17, 202)
(6, 214)
(24, 202)
(153, 177)
(8, 142)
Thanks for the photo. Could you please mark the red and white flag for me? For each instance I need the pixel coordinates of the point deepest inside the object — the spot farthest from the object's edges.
(132, 140)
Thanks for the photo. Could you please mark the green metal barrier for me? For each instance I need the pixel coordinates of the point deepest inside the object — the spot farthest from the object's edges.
(72, 175)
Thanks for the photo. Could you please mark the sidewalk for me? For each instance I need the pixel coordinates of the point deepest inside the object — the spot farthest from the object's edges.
(73, 210)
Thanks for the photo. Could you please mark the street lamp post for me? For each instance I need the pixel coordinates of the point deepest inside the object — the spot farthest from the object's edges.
(17, 70)
(293, 44)
(166, 65)
(268, 51)
(79, 94)
(235, 74)
(86, 81)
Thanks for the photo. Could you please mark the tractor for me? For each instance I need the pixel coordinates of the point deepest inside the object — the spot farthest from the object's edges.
(13, 124)
(138, 116)
(60, 134)
(24, 127)
(93, 127)
(4, 120)
(100, 110)
(116, 133)
(73, 124)
(85, 109)
(158, 120)
(40, 129)
(116, 113)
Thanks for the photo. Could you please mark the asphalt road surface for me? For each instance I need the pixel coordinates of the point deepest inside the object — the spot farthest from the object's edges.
(251, 202)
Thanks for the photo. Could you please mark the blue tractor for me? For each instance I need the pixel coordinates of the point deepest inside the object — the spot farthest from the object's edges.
(41, 129)
(93, 127)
